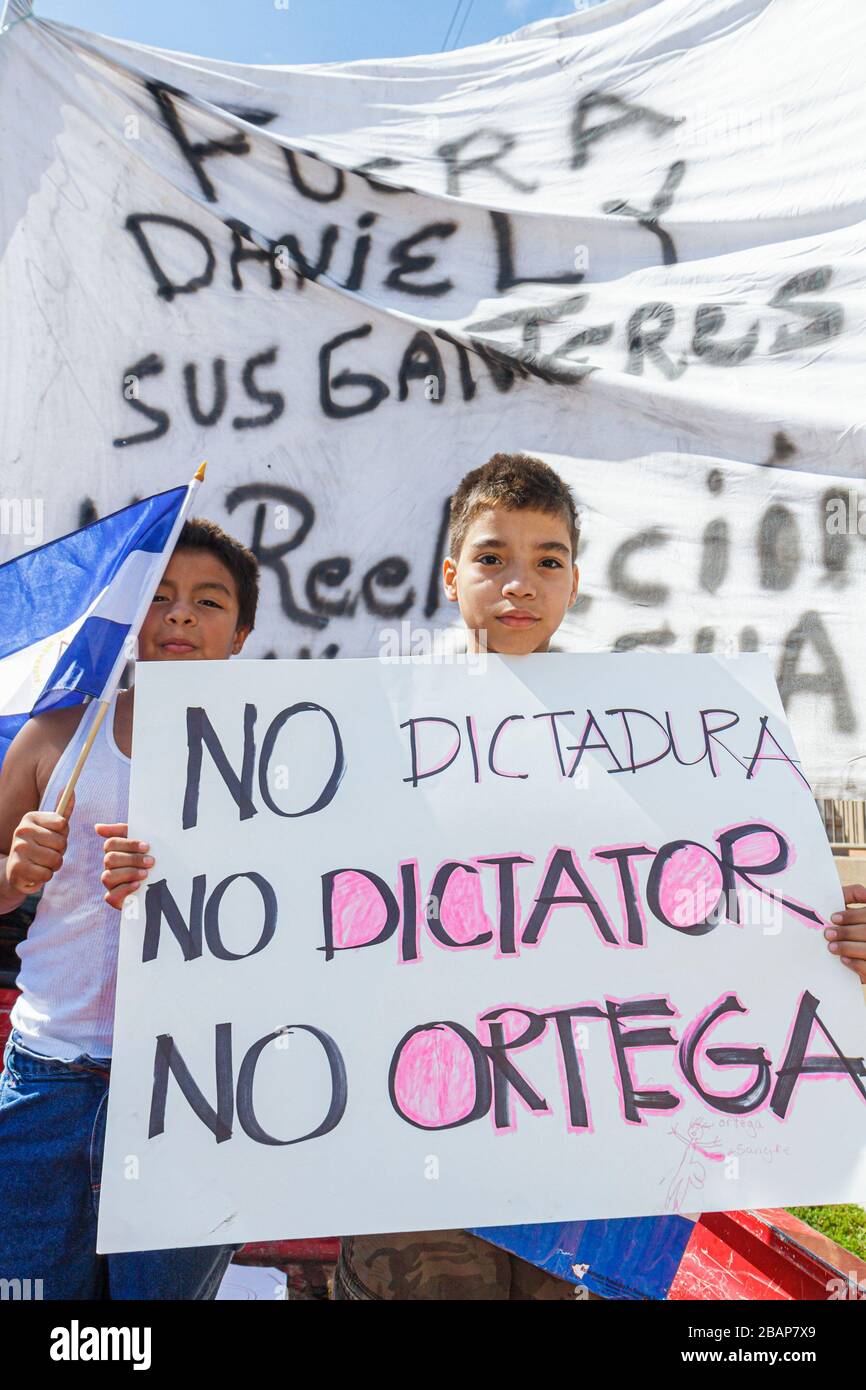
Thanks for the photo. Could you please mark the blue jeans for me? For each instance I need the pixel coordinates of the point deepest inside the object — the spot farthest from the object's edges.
(52, 1131)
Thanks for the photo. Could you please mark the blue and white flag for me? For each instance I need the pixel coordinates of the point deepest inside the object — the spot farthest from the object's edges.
(70, 610)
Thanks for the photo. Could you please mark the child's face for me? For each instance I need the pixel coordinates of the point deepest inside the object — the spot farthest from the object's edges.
(194, 613)
(514, 580)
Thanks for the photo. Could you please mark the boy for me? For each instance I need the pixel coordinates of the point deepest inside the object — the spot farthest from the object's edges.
(52, 1132)
(512, 539)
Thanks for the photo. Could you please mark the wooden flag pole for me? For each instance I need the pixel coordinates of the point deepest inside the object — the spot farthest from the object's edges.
(63, 803)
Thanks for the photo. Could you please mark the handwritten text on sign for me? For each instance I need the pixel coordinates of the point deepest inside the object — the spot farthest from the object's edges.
(430, 946)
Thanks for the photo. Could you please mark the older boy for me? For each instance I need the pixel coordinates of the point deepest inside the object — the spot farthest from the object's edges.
(512, 540)
(57, 1062)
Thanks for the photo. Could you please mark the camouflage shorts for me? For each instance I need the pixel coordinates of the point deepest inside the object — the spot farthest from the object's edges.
(441, 1265)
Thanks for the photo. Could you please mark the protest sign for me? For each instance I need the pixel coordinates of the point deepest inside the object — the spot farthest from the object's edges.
(473, 943)
(346, 284)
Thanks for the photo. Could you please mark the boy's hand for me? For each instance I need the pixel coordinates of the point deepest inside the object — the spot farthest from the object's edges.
(847, 937)
(126, 863)
(38, 847)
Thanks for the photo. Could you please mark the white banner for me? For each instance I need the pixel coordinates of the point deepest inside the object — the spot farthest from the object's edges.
(630, 239)
(442, 944)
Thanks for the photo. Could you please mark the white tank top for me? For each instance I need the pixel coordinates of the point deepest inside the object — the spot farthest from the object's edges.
(69, 958)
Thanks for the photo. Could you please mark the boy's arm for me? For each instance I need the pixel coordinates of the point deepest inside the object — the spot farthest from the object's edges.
(847, 936)
(33, 842)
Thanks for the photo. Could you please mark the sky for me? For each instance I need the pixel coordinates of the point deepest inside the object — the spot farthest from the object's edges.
(304, 31)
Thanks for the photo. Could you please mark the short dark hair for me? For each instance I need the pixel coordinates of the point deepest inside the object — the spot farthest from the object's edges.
(198, 533)
(512, 481)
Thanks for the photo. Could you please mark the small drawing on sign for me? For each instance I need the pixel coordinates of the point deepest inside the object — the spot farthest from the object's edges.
(691, 1171)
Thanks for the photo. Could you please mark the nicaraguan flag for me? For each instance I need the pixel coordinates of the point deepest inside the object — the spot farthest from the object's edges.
(70, 610)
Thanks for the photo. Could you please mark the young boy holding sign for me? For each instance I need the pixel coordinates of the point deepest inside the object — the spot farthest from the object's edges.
(57, 1063)
(512, 541)
(511, 568)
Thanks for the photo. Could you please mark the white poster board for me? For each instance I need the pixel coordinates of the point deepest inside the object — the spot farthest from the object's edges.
(275, 1077)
